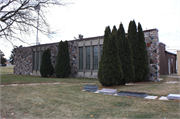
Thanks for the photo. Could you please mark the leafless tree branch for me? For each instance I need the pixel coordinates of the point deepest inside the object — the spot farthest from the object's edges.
(20, 17)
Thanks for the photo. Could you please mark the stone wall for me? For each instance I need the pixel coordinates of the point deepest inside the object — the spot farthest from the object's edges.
(72, 55)
(23, 56)
(152, 46)
(23, 61)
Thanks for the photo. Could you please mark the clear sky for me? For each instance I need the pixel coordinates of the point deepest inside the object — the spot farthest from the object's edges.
(90, 17)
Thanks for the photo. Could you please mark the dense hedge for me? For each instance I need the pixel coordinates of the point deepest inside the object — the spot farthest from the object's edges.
(124, 59)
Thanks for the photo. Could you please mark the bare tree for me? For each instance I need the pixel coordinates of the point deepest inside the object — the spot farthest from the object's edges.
(20, 17)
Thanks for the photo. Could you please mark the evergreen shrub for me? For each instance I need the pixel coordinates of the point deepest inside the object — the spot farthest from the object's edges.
(63, 68)
(46, 68)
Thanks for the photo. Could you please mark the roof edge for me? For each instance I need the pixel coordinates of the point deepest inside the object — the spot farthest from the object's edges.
(155, 29)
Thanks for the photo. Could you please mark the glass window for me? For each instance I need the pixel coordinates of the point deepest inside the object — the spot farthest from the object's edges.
(101, 47)
(95, 57)
(37, 60)
(88, 56)
(37, 57)
(34, 60)
(80, 57)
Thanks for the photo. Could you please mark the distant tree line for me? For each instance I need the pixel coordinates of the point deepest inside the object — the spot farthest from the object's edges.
(124, 58)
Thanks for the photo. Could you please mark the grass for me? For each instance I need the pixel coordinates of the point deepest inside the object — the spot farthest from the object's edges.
(22, 79)
(166, 78)
(68, 101)
(159, 89)
(6, 70)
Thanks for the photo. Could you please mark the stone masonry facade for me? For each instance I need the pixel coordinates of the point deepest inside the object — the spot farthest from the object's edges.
(23, 59)
(152, 46)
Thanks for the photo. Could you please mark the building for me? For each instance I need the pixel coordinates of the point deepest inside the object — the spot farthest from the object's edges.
(85, 55)
(167, 60)
(178, 62)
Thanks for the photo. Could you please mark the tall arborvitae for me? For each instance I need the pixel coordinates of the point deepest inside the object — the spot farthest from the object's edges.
(132, 36)
(101, 70)
(46, 68)
(67, 66)
(114, 30)
(124, 46)
(128, 68)
(120, 35)
(130, 23)
(143, 68)
(62, 67)
(115, 59)
(60, 63)
(107, 32)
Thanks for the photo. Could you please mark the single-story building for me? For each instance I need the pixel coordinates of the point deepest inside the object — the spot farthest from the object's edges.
(84, 54)
(167, 61)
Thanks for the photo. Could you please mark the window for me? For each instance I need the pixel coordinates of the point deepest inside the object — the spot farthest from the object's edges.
(34, 60)
(80, 57)
(101, 47)
(37, 60)
(95, 57)
(88, 56)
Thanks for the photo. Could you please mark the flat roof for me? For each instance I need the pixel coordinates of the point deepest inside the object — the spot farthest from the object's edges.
(96, 37)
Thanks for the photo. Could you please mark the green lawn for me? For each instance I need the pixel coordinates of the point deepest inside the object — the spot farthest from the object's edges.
(23, 79)
(68, 101)
(7, 69)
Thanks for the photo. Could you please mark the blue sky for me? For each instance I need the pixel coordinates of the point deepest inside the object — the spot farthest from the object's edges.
(90, 17)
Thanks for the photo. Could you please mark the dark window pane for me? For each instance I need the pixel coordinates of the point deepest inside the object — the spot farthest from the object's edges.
(88, 56)
(37, 60)
(80, 57)
(34, 60)
(101, 47)
(95, 57)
